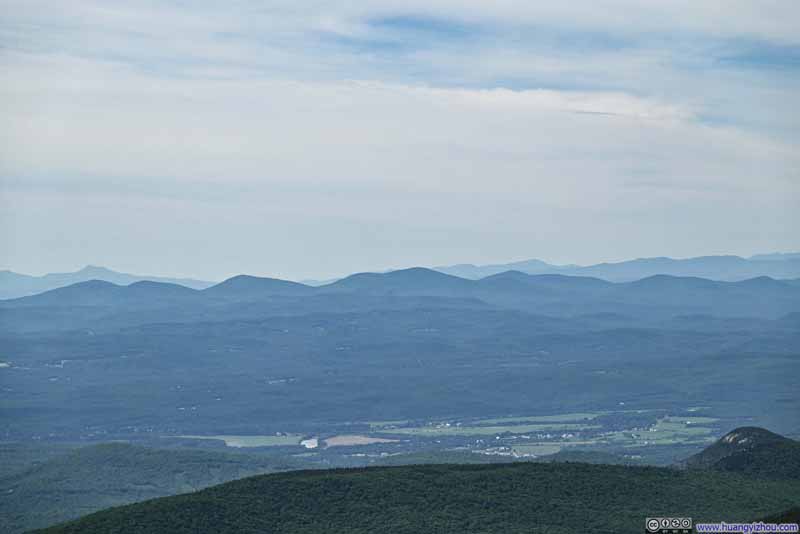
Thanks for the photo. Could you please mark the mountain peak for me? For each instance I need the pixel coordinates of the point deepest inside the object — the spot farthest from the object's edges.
(418, 272)
(244, 285)
(96, 269)
(408, 281)
(719, 267)
(750, 449)
(88, 284)
(750, 436)
(669, 280)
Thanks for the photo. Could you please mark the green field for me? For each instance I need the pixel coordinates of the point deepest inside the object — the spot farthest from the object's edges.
(667, 431)
(691, 420)
(560, 418)
(377, 425)
(453, 430)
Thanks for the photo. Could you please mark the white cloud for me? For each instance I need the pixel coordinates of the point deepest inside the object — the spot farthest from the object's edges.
(769, 20)
(226, 118)
(78, 119)
(71, 117)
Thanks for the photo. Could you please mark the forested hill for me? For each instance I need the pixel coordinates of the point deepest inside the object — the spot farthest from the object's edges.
(751, 450)
(99, 476)
(496, 498)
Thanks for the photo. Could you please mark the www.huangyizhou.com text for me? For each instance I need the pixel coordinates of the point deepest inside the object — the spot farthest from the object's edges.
(746, 527)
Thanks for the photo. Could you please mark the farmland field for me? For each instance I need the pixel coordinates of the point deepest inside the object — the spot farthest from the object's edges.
(454, 430)
(252, 441)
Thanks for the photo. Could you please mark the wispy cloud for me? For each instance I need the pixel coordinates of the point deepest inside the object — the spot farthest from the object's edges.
(502, 122)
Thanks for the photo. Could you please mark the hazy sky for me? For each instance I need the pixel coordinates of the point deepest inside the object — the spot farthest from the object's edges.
(312, 139)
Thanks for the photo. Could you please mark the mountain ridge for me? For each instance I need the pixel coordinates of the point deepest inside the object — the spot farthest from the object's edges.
(16, 285)
(445, 498)
(658, 296)
(111, 474)
(714, 267)
(243, 285)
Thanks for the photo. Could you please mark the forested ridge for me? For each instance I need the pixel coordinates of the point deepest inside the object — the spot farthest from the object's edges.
(502, 498)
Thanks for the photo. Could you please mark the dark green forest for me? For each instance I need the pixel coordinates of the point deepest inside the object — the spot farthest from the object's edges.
(91, 478)
(498, 498)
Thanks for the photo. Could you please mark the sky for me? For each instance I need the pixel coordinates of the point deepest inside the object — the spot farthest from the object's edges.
(311, 139)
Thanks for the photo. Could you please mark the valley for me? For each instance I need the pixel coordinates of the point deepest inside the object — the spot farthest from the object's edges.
(461, 267)
(412, 367)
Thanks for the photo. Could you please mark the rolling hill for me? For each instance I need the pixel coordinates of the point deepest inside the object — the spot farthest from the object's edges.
(722, 268)
(414, 281)
(657, 297)
(253, 287)
(753, 451)
(99, 476)
(466, 347)
(15, 285)
(497, 498)
(102, 293)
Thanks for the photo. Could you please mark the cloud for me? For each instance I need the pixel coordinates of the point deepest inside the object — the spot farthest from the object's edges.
(82, 119)
(395, 132)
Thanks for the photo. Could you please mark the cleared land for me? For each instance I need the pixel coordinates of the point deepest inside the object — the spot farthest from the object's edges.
(252, 441)
(537, 450)
(559, 418)
(455, 430)
(349, 441)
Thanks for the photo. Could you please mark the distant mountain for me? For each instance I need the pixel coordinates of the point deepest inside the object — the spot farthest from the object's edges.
(776, 256)
(560, 295)
(752, 451)
(15, 285)
(241, 288)
(100, 476)
(568, 498)
(414, 281)
(315, 283)
(253, 287)
(517, 280)
(468, 270)
(659, 297)
(724, 268)
(101, 293)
